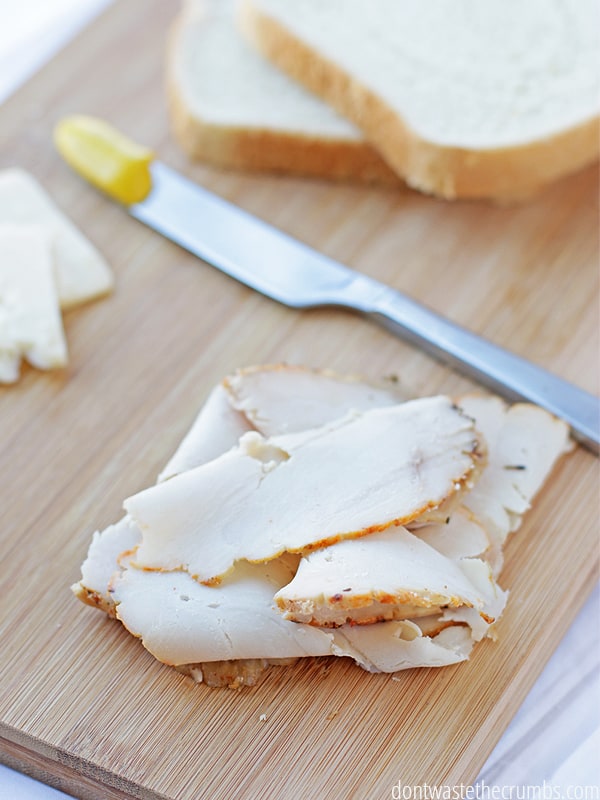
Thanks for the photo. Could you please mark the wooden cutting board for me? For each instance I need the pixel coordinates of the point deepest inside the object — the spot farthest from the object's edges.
(82, 705)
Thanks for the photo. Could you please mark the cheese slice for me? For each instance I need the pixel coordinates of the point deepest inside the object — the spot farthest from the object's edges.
(10, 356)
(305, 490)
(30, 319)
(388, 575)
(81, 272)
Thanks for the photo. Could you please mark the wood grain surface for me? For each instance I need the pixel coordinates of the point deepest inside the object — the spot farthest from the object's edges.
(82, 705)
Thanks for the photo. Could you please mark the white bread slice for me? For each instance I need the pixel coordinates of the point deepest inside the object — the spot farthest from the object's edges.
(230, 107)
(462, 98)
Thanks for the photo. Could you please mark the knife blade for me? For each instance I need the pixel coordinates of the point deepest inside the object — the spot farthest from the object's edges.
(290, 272)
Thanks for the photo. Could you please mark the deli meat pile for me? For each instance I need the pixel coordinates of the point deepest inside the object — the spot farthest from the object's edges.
(312, 514)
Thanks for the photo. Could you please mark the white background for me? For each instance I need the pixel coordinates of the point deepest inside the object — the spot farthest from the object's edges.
(555, 737)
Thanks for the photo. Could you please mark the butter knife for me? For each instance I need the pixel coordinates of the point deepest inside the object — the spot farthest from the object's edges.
(288, 271)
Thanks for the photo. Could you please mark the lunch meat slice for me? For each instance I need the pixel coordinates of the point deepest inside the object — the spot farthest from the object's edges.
(272, 399)
(306, 490)
(216, 429)
(183, 622)
(280, 398)
(283, 397)
(227, 635)
(524, 443)
(460, 535)
(388, 575)
(103, 562)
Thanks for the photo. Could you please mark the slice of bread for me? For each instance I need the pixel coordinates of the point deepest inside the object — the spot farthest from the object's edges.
(232, 108)
(462, 98)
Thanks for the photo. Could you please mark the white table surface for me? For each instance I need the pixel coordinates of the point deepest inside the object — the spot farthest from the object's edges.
(552, 746)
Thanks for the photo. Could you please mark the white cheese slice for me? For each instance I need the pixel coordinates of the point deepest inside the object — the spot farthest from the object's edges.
(388, 575)
(305, 490)
(81, 272)
(30, 319)
(10, 357)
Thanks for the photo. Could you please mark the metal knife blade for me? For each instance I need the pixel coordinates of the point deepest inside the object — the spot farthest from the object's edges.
(278, 266)
(241, 245)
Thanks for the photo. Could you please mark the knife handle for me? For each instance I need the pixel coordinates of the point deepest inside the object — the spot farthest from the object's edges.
(508, 374)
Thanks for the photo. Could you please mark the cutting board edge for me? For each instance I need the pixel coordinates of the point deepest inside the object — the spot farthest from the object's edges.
(64, 771)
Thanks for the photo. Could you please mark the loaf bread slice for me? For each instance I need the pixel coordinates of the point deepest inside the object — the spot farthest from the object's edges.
(462, 98)
(230, 107)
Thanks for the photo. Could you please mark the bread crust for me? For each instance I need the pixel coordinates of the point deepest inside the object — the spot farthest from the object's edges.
(264, 149)
(505, 174)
